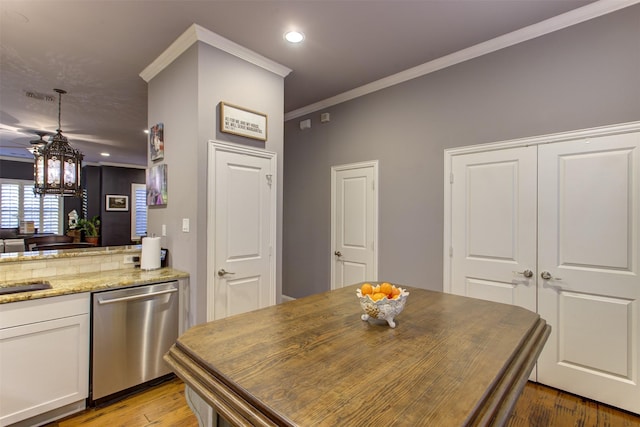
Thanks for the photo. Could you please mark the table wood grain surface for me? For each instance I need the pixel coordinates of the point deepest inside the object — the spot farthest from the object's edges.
(450, 360)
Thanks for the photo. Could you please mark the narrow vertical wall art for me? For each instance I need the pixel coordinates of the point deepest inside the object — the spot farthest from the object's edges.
(157, 185)
(156, 141)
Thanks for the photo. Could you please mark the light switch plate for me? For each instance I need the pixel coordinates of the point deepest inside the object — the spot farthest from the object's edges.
(185, 225)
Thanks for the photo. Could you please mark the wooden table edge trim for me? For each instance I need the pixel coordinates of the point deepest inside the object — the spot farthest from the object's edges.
(512, 397)
(218, 395)
(496, 407)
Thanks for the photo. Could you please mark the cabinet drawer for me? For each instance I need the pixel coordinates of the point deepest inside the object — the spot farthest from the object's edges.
(39, 310)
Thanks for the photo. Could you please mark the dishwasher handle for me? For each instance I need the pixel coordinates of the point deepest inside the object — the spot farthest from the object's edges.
(102, 301)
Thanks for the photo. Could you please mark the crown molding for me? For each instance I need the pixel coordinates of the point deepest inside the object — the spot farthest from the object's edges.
(241, 52)
(594, 132)
(175, 49)
(197, 33)
(573, 17)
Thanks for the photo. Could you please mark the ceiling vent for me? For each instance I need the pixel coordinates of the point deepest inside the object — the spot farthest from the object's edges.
(39, 96)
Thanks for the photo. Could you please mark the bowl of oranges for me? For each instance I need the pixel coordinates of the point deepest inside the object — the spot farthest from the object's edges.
(381, 300)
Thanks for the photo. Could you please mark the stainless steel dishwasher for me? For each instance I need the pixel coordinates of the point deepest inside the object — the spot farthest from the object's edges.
(131, 329)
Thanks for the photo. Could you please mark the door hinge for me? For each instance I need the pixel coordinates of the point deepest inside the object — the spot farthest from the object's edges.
(451, 178)
(451, 251)
(269, 179)
(373, 185)
(270, 250)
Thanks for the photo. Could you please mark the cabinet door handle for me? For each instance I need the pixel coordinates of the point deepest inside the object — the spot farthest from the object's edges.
(135, 297)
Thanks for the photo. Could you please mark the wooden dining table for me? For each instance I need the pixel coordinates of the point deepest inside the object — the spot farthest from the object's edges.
(450, 361)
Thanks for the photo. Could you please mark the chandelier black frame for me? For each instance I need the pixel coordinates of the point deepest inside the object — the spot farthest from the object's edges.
(57, 166)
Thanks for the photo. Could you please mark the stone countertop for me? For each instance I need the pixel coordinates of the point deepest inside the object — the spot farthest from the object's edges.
(91, 282)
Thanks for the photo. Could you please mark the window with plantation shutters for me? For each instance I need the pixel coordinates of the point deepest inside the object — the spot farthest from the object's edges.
(10, 209)
(138, 211)
(30, 206)
(51, 212)
(18, 203)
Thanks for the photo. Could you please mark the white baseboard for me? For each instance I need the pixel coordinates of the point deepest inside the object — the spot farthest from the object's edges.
(285, 298)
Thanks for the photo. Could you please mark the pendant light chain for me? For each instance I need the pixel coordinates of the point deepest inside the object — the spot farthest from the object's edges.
(59, 111)
(60, 92)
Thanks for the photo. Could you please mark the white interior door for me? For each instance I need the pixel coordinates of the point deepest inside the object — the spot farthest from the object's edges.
(242, 202)
(354, 223)
(588, 245)
(586, 251)
(493, 226)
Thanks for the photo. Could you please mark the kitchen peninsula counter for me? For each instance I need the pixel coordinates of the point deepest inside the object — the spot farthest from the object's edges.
(70, 272)
(12, 257)
(92, 282)
(451, 360)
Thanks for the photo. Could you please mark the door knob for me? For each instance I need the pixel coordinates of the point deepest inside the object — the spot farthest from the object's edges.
(526, 273)
(547, 276)
(337, 253)
(222, 272)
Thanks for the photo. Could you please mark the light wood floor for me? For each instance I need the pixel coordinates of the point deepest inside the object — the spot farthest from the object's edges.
(539, 406)
(162, 405)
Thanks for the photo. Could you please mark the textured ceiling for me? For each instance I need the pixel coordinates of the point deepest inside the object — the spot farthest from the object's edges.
(96, 49)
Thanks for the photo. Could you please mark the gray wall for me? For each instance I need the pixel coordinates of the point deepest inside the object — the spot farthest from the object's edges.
(185, 97)
(173, 100)
(584, 76)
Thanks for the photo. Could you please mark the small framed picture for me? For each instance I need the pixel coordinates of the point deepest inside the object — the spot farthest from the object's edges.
(117, 203)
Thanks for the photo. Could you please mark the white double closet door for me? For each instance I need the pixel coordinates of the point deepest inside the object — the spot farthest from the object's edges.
(554, 227)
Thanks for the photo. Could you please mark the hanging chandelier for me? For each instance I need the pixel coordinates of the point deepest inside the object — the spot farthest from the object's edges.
(57, 165)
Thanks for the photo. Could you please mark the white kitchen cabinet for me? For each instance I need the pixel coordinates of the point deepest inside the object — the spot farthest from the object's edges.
(44, 358)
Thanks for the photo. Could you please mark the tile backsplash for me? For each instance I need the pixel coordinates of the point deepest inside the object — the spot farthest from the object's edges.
(23, 269)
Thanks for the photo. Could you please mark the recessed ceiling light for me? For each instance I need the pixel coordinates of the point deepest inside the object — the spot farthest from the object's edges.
(146, 131)
(105, 154)
(293, 36)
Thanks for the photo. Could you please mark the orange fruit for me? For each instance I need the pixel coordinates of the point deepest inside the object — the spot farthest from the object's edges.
(378, 296)
(366, 289)
(395, 291)
(386, 288)
(376, 289)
